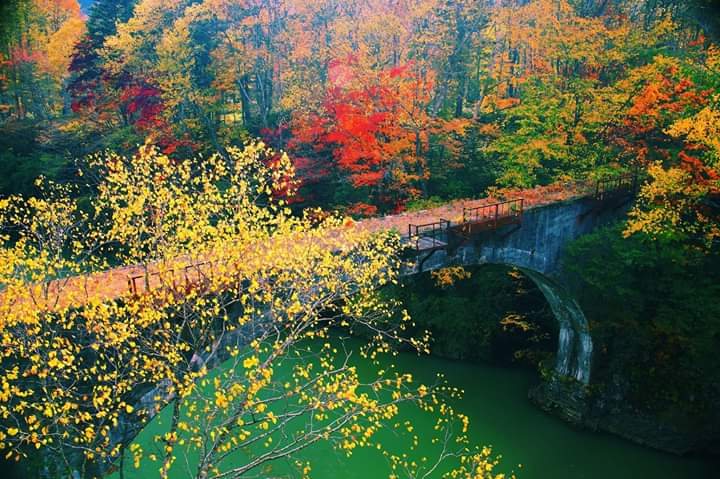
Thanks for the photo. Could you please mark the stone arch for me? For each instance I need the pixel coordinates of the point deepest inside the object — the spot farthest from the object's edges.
(575, 346)
(536, 247)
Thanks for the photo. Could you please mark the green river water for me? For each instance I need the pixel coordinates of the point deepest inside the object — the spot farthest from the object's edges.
(532, 443)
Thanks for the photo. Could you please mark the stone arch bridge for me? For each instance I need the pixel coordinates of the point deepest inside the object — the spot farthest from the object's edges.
(529, 232)
(532, 239)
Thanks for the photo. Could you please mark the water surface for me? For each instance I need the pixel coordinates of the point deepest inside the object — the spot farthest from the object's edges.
(533, 444)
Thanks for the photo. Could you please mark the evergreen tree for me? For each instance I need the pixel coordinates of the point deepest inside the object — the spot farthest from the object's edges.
(86, 65)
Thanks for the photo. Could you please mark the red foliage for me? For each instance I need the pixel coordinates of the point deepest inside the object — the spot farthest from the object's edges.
(667, 96)
(362, 209)
(702, 173)
(142, 104)
(369, 178)
(19, 55)
(365, 131)
(87, 75)
(700, 41)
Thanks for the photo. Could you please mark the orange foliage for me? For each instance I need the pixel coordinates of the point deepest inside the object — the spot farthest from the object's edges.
(377, 128)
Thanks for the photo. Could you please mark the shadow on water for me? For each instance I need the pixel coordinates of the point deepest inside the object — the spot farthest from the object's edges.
(532, 444)
(501, 415)
(11, 470)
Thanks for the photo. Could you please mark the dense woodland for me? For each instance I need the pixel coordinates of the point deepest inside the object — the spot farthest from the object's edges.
(384, 106)
(380, 104)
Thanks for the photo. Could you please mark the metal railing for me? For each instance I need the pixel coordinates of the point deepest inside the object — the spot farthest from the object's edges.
(493, 213)
(191, 274)
(429, 235)
(627, 182)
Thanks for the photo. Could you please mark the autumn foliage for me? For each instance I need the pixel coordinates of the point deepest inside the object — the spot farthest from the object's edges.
(382, 106)
(228, 276)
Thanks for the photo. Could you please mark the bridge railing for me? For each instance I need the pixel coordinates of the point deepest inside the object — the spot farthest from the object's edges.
(429, 235)
(191, 274)
(606, 187)
(493, 214)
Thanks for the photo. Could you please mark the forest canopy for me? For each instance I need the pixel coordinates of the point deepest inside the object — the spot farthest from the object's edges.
(381, 104)
(165, 133)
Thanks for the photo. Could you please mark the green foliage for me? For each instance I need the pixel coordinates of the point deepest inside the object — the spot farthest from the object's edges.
(465, 178)
(550, 134)
(654, 314)
(424, 203)
(532, 143)
(23, 159)
(495, 315)
(104, 14)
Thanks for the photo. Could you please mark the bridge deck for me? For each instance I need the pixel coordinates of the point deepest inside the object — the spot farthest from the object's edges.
(481, 215)
(461, 213)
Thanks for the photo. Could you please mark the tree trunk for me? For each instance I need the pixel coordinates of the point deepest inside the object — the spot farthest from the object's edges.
(460, 96)
(245, 100)
(418, 164)
(457, 63)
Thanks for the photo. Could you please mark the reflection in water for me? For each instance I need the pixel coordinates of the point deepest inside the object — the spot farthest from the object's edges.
(532, 443)
(547, 448)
